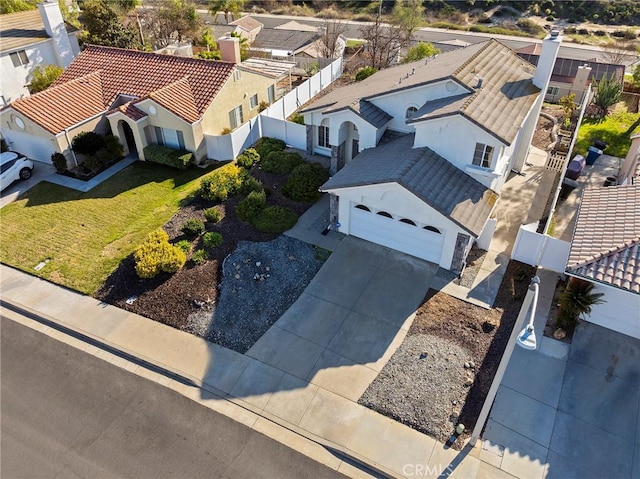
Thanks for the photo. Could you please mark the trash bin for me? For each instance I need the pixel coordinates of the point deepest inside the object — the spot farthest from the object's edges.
(610, 181)
(592, 155)
(600, 145)
(568, 185)
(575, 167)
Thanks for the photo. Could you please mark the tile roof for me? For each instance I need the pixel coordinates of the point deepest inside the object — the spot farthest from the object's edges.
(185, 86)
(290, 40)
(64, 105)
(606, 241)
(425, 174)
(21, 29)
(247, 22)
(372, 114)
(499, 105)
(130, 110)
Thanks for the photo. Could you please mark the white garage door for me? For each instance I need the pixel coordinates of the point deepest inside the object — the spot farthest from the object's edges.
(402, 234)
(33, 147)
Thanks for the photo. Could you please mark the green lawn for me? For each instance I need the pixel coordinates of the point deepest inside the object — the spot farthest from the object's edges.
(85, 235)
(614, 130)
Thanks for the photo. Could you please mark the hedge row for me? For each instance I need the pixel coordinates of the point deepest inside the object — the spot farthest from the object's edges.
(168, 156)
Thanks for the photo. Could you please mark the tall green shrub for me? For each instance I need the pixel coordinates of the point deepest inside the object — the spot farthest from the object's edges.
(609, 93)
(87, 143)
(251, 206)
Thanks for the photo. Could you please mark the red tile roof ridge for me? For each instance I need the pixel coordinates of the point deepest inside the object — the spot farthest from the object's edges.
(611, 251)
(181, 88)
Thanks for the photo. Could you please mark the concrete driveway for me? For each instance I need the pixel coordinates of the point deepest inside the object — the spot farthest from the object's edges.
(40, 172)
(350, 319)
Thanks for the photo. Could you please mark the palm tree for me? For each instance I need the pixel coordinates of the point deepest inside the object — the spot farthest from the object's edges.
(577, 299)
(231, 8)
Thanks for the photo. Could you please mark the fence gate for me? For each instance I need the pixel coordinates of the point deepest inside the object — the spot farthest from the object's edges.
(540, 250)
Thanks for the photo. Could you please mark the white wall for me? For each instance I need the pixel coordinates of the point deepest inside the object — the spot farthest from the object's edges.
(621, 312)
(366, 131)
(394, 199)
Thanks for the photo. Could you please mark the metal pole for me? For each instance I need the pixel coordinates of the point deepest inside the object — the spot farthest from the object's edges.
(502, 367)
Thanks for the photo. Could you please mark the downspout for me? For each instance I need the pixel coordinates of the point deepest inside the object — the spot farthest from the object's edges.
(73, 153)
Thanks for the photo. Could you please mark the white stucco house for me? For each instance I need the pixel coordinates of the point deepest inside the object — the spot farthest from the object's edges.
(31, 39)
(419, 152)
(605, 250)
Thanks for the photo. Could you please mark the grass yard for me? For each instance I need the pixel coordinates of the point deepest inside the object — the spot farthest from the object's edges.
(614, 129)
(85, 235)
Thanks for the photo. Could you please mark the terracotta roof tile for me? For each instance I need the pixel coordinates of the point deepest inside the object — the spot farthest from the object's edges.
(130, 110)
(64, 105)
(178, 98)
(606, 239)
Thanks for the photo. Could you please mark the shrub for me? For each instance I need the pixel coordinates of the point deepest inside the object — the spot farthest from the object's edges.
(212, 239)
(59, 161)
(365, 72)
(266, 145)
(262, 106)
(249, 184)
(113, 147)
(168, 156)
(184, 245)
(577, 299)
(223, 182)
(570, 30)
(91, 163)
(212, 215)
(297, 118)
(156, 254)
(304, 182)
(275, 219)
(600, 33)
(281, 162)
(226, 130)
(87, 143)
(199, 257)
(248, 158)
(253, 204)
(583, 31)
(192, 227)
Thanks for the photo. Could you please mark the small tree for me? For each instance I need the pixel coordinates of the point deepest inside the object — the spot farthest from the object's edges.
(230, 8)
(568, 105)
(87, 143)
(576, 300)
(609, 93)
(244, 45)
(42, 78)
(419, 51)
(331, 42)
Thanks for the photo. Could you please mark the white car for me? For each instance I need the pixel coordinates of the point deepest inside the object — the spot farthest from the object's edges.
(14, 166)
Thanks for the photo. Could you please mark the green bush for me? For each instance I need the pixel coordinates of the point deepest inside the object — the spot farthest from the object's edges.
(91, 163)
(281, 162)
(365, 72)
(192, 227)
(156, 254)
(87, 143)
(212, 215)
(221, 183)
(212, 239)
(184, 245)
(249, 184)
(168, 156)
(59, 161)
(297, 118)
(248, 158)
(113, 147)
(266, 145)
(275, 219)
(253, 204)
(199, 257)
(304, 182)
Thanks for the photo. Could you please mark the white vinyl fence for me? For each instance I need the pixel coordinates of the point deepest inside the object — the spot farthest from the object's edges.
(272, 121)
(540, 250)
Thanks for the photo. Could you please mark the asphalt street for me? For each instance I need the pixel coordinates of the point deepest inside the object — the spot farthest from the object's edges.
(67, 414)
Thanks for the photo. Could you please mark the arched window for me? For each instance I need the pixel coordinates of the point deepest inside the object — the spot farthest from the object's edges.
(407, 222)
(411, 111)
(363, 208)
(432, 228)
(385, 214)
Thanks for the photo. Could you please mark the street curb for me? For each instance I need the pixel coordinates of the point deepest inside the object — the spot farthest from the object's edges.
(347, 456)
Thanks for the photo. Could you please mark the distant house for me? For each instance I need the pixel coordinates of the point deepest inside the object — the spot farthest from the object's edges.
(31, 39)
(247, 27)
(605, 250)
(302, 47)
(572, 76)
(142, 98)
(419, 152)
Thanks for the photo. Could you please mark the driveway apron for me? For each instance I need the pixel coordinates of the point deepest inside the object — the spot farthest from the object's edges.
(350, 319)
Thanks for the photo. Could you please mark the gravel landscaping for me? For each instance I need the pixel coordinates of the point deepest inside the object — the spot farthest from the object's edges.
(259, 283)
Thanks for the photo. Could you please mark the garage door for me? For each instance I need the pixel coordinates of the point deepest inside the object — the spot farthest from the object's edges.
(33, 147)
(393, 231)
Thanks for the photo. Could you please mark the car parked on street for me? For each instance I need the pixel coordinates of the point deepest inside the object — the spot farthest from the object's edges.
(14, 166)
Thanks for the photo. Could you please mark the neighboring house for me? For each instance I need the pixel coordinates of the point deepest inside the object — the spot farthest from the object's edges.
(605, 250)
(572, 76)
(247, 27)
(297, 46)
(419, 152)
(143, 98)
(31, 39)
(300, 27)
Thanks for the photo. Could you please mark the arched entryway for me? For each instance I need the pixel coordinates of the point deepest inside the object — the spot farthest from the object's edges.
(349, 139)
(127, 138)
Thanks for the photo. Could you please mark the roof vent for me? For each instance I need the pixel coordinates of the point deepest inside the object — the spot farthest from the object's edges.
(479, 82)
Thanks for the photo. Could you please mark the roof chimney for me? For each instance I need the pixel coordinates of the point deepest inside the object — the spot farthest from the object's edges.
(54, 26)
(229, 49)
(547, 60)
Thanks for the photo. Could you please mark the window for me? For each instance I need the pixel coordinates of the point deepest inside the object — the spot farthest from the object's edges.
(236, 118)
(385, 214)
(411, 111)
(19, 58)
(432, 228)
(170, 138)
(407, 222)
(362, 207)
(483, 155)
(7, 165)
(271, 94)
(553, 90)
(323, 137)
(253, 101)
